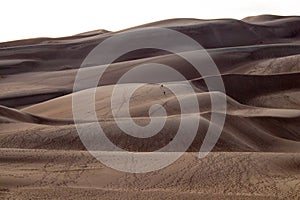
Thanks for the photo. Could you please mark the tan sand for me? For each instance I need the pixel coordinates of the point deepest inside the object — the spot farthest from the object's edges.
(256, 157)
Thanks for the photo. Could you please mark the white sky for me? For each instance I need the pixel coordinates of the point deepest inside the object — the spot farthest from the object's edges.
(52, 18)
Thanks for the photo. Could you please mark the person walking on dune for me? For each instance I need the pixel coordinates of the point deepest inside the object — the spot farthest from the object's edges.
(162, 86)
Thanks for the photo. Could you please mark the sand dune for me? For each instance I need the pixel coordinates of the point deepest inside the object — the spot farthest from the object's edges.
(209, 33)
(78, 175)
(47, 85)
(256, 156)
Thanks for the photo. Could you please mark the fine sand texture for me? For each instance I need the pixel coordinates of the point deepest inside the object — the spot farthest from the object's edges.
(256, 157)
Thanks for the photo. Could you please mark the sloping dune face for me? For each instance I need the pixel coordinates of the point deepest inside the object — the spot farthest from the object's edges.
(257, 154)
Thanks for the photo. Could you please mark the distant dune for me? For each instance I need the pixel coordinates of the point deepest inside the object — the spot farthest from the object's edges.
(256, 157)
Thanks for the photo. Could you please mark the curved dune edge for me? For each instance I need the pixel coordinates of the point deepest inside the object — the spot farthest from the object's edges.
(13, 115)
